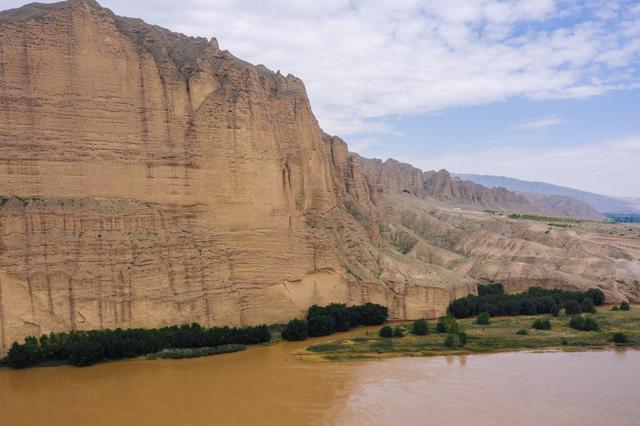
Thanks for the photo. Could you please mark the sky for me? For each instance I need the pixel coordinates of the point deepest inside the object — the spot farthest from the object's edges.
(545, 90)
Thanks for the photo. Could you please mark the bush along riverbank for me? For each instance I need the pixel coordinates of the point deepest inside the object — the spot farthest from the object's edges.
(83, 348)
(493, 300)
(326, 320)
(602, 329)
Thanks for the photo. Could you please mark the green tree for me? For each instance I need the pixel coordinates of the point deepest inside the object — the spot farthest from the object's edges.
(25, 355)
(583, 323)
(447, 324)
(386, 331)
(398, 332)
(541, 324)
(588, 306)
(572, 307)
(624, 306)
(420, 327)
(483, 318)
(596, 295)
(620, 338)
(322, 325)
(462, 338)
(86, 352)
(295, 330)
(449, 341)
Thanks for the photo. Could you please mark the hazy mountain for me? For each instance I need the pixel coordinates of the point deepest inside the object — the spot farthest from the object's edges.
(602, 203)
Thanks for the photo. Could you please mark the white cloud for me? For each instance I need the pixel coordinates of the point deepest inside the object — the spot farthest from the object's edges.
(541, 123)
(361, 145)
(607, 167)
(364, 61)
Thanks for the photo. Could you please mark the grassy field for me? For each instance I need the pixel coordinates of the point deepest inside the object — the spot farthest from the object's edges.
(499, 336)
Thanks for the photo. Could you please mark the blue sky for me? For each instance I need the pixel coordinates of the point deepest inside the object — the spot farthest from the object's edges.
(534, 89)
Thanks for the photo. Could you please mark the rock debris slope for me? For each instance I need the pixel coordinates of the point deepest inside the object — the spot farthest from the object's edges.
(148, 178)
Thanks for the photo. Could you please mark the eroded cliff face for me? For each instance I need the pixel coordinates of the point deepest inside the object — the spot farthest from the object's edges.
(150, 178)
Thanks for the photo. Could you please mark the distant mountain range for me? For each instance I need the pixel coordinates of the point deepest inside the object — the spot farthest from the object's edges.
(601, 203)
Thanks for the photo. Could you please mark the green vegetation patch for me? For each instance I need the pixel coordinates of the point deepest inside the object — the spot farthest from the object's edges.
(545, 218)
(83, 348)
(195, 352)
(328, 347)
(512, 333)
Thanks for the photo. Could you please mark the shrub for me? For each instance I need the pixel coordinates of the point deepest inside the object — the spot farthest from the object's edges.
(195, 352)
(397, 331)
(541, 324)
(25, 355)
(295, 330)
(447, 324)
(86, 352)
(572, 307)
(588, 306)
(420, 327)
(352, 316)
(490, 289)
(624, 306)
(596, 295)
(536, 300)
(321, 325)
(620, 338)
(590, 324)
(449, 341)
(615, 308)
(522, 332)
(88, 347)
(483, 318)
(555, 310)
(582, 323)
(328, 347)
(462, 338)
(386, 331)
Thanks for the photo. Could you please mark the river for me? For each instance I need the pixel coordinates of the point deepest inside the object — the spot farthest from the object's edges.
(266, 385)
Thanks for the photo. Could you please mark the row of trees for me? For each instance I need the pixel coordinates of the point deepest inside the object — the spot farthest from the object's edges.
(492, 300)
(326, 320)
(82, 348)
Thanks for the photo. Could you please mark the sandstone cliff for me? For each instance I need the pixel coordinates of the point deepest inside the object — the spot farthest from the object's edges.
(148, 178)
(392, 176)
(563, 205)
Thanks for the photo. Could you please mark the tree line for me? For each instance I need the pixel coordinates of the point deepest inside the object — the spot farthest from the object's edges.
(326, 320)
(82, 348)
(492, 300)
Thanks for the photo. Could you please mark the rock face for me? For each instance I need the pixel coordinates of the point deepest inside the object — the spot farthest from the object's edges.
(563, 205)
(148, 178)
(394, 176)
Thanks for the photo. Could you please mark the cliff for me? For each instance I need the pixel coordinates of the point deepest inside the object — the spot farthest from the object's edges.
(148, 178)
(392, 176)
(151, 178)
(563, 205)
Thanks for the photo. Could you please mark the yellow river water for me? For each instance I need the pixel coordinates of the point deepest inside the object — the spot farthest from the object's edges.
(266, 385)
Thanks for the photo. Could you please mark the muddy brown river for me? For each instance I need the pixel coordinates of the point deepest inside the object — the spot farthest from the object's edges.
(265, 385)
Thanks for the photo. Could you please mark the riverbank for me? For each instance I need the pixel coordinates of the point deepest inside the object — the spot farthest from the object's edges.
(503, 334)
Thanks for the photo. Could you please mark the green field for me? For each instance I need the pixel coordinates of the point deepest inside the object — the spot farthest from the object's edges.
(545, 218)
(499, 336)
